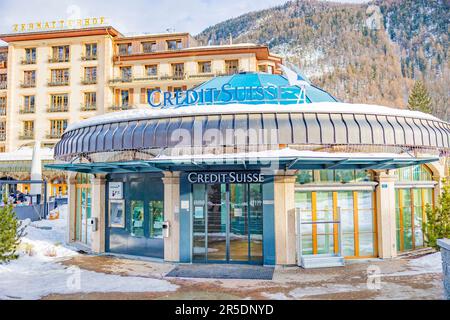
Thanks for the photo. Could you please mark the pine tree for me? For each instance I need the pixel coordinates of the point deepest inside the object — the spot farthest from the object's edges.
(419, 99)
(11, 231)
(437, 225)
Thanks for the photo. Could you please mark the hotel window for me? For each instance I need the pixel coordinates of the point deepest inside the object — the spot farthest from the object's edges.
(2, 130)
(204, 67)
(232, 66)
(29, 78)
(126, 73)
(124, 98)
(28, 104)
(90, 101)
(2, 106)
(90, 51)
(3, 80)
(148, 47)
(28, 130)
(30, 56)
(57, 128)
(90, 75)
(125, 49)
(3, 56)
(60, 54)
(174, 44)
(60, 77)
(151, 70)
(178, 71)
(59, 103)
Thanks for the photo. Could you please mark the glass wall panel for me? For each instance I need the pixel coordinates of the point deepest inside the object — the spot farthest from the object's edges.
(304, 203)
(199, 222)
(406, 219)
(325, 232)
(418, 217)
(156, 210)
(256, 223)
(345, 176)
(217, 222)
(366, 228)
(238, 234)
(345, 203)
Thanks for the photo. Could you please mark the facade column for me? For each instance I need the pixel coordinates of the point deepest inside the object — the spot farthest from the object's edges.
(285, 228)
(98, 193)
(386, 214)
(171, 182)
(71, 214)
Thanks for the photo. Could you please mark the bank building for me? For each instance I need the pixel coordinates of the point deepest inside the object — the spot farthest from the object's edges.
(249, 167)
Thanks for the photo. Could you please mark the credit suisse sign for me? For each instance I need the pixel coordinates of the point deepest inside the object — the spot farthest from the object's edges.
(225, 177)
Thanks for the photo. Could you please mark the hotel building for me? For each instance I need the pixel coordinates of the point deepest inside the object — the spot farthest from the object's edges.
(51, 79)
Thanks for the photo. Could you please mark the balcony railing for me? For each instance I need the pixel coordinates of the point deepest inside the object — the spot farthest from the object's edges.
(58, 59)
(89, 58)
(27, 135)
(201, 75)
(28, 84)
(146, 78)
(28, 61)
(58, 83)
(27, 110)
(54, 135)
(121, 80)
(175, 76)
(88, 107)
(88, 81)
(121, 108)
(2, 136)
(55, 109)
(3, 85)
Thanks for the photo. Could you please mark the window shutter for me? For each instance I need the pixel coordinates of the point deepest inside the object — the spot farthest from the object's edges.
(143, 94)
(117, 97)
(131, 97)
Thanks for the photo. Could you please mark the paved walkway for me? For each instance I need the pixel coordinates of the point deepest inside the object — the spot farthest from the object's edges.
(392, 279)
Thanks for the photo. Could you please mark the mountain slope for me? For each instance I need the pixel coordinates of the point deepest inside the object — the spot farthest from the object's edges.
(369, 53)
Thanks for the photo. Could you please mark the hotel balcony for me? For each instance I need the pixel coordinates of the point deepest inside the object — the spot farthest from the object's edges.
(27, 110)
(89, 58)
(28, 61)
(27, 135)
(88, 107)
(121, 108)
(121, 80)
(54, 135)
(2, 136)
(58, 60)
(201, 75)
(3, 85)
(58, 83)
(26, 85)
(146, 78)
(88, 81)
(56, 109)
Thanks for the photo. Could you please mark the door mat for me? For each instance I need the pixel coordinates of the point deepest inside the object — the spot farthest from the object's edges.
(217, 271)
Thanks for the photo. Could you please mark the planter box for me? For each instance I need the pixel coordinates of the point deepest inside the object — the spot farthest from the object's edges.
(445, 251)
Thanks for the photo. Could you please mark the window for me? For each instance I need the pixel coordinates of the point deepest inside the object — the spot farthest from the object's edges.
(3, 56)
(124, 97)
(204, 67)
(2, 130)
(156, 209)
(59, 103)
(60, 54)
(414, 173)
(178, 71)
(90, 51)
(148, 47)
(83, 209)
(151, 70)
(125, 49)
(2, 106)
(28, 104)
(174, 45)
(327, 176)
(90, 75)
(30, 56)
(57, 128)
(29, 78)
(3, 81)
(28, 129)
(90, 101)
(60, 77)
(126, 73)
(232, 66)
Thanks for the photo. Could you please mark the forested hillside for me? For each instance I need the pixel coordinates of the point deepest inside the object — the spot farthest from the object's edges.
(369, 53)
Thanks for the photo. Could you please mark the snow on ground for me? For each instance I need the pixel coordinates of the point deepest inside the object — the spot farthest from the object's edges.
(38, 271)
(431, 263)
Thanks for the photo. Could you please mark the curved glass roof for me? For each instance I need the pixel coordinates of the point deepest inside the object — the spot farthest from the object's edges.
(255, 88)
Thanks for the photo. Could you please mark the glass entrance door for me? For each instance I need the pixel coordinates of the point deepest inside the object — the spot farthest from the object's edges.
(227, 223)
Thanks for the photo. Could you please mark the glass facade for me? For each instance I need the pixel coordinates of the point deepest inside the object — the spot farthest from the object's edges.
(83, 209)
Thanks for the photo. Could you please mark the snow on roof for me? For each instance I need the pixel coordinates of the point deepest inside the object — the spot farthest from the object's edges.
(26, 154)
(221, 46)
(320, 107)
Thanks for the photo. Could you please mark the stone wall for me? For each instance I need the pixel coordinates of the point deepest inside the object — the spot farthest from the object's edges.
(445, 250)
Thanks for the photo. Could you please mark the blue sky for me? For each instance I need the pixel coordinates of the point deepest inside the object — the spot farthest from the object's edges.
(134, 16)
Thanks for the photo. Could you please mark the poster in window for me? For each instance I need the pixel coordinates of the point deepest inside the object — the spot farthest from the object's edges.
(117, 214)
